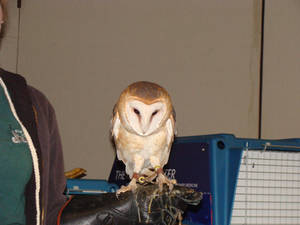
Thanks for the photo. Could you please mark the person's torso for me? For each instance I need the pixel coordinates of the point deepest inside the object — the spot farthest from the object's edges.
(15, 165)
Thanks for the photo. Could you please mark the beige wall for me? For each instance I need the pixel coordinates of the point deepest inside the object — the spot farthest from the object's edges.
(281, 98)
(81, 54)
(9, 44)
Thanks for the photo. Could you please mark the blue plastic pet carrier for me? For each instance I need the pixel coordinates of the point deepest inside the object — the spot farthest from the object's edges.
(89, 187)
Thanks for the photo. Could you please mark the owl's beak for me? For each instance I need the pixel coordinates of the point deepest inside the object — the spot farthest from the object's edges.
(144, 129)
(144, 126)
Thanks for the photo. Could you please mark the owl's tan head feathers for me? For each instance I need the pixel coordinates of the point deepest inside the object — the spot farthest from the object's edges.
(147, 91)
(143, 107)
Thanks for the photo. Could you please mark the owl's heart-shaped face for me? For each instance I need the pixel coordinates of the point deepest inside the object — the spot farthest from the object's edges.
(143, 118)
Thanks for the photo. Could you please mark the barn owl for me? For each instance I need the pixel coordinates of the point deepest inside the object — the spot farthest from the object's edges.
(143, 129)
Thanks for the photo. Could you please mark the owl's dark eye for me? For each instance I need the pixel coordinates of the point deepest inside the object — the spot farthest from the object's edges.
(155, 112)
(137, 112)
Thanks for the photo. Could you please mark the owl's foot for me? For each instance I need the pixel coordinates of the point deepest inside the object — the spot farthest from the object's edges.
(162, 179)
(130, 187)
(179, 217)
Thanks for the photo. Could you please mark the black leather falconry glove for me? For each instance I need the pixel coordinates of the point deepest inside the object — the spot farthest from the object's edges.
(145, 206)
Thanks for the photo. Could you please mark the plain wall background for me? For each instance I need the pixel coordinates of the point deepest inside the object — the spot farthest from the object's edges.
(281, 92)
(9, 43)
(82, 54)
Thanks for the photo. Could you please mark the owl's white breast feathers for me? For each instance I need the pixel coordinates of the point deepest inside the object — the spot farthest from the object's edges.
(129, 144)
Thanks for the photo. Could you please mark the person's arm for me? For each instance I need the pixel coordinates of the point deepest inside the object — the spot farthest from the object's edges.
(52, 176)
(146, 206)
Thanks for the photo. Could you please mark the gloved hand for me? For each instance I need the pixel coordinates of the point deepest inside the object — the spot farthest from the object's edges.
(145, 206)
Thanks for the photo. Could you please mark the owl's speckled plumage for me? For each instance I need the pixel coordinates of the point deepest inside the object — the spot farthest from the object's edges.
(143, 128)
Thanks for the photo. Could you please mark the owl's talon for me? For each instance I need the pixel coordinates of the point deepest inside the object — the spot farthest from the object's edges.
(162, 179)
(132, 186)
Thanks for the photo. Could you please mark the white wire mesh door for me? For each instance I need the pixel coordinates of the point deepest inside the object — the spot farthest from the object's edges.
(268, 189)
